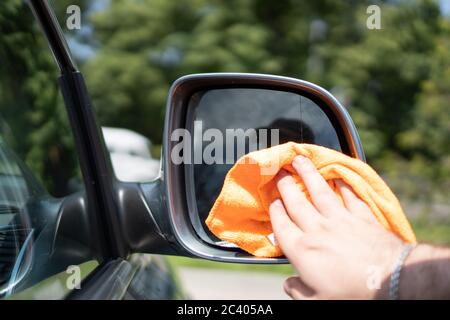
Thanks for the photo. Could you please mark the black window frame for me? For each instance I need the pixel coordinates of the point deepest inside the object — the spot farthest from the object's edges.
(98, 176)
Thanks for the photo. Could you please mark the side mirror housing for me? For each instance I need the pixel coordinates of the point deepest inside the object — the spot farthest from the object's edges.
(240, 106)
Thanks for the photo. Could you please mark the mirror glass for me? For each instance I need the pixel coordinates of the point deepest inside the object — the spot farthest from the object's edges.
(241, 120)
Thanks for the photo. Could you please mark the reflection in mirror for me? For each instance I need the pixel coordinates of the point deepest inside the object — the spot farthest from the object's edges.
(242, 120)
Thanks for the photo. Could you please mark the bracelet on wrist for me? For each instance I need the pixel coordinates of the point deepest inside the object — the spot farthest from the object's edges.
(395, 276)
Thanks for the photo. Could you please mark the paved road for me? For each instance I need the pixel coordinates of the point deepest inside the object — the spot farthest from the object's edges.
(223, 284)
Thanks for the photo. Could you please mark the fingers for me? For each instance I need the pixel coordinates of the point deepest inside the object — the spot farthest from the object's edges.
(286, 232)
(301, 211)
(298, 290)
(321, 194)
(353, 203)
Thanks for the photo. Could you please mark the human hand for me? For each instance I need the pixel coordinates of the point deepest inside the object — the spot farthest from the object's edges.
(334, 248)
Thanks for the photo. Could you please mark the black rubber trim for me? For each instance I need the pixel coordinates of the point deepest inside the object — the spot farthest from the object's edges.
(95, 165)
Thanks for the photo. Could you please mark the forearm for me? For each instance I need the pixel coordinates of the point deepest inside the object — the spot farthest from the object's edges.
(426, 274)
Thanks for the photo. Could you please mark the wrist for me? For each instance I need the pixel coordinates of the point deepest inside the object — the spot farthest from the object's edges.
(425, 274)
(411, 279)
(390, 254)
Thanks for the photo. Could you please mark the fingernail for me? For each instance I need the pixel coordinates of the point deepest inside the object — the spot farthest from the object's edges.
(277, 203)
(300, 160)
(272, 239)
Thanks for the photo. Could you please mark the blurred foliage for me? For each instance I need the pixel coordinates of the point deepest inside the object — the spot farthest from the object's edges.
(431, 232)
(428, 138)
(31, 107)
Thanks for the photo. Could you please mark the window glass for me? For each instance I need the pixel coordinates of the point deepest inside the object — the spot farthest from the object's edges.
(56, 286)
(41, 189)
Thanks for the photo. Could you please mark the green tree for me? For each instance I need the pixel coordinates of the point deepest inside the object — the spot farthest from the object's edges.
(30, 100)
(143, 46)
(381, 73)
(429, 135)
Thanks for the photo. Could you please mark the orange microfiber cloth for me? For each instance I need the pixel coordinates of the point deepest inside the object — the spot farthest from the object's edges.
(241, 212)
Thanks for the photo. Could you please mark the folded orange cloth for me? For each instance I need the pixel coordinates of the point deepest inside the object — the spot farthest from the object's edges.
(240, 213)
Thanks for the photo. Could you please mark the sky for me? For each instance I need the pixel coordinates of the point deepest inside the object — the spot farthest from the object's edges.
(445, 7)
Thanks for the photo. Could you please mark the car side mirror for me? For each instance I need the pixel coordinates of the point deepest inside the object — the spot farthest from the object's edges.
(213, 119)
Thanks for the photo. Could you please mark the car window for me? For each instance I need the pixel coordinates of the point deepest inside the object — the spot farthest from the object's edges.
(43, 212)
(134, 143)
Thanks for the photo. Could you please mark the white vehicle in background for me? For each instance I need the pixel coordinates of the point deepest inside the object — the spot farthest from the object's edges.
(130, 155)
